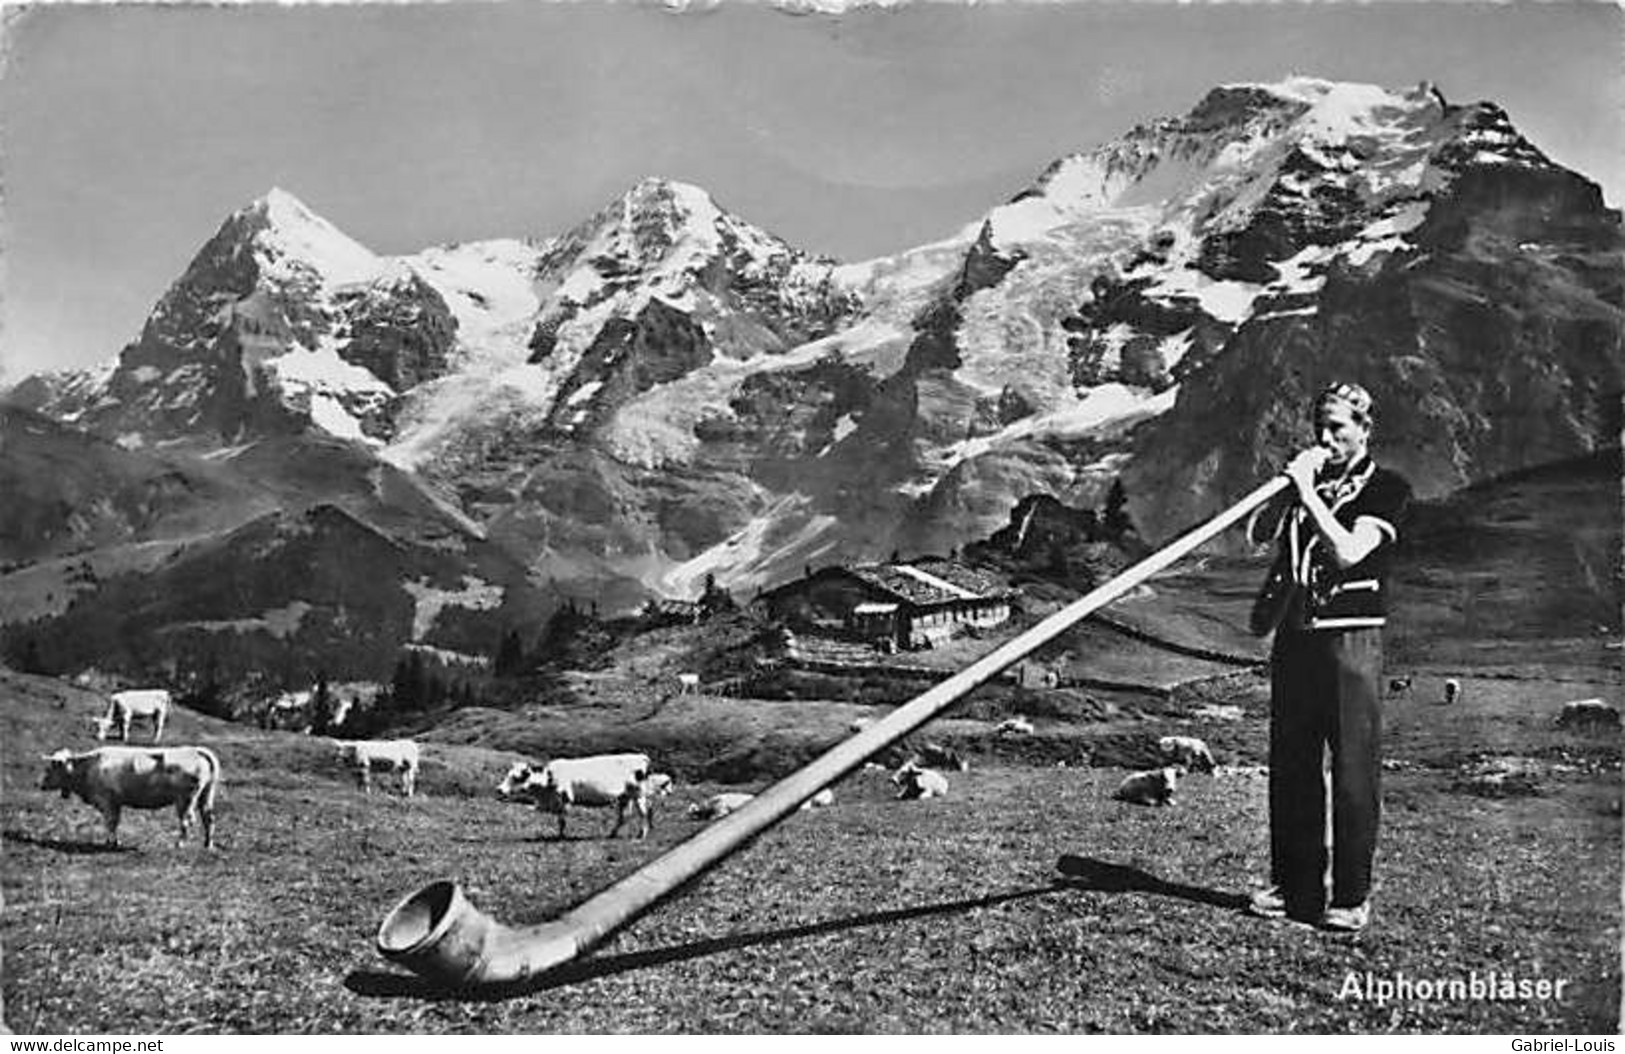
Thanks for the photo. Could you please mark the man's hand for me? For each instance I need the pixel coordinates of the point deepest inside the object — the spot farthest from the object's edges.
(1304, 466)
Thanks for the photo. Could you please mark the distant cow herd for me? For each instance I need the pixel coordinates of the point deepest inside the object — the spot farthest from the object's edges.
(188, 778)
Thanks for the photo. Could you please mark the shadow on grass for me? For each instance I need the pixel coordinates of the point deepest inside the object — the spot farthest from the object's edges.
(1101, 876)
(61, 845)
(380, 984)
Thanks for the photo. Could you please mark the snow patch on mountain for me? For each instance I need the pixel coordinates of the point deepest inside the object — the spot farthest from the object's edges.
(329, 387)
(322, 369)
(1178, 278)
(1106, 407)
(1387, 234)
(786, 534)
(491, 291)
(1339, 110)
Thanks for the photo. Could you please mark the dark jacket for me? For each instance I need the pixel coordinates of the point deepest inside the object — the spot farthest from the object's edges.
(1305, 589)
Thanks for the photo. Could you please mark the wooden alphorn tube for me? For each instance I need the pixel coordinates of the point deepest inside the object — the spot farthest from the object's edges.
(437, 933)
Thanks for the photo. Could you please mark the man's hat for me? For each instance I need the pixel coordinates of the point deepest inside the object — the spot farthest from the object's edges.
(1356, 398)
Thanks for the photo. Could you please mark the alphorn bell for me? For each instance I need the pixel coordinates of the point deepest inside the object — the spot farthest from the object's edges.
(438, 934)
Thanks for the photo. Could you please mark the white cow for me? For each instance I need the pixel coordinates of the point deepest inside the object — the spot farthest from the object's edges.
(1153, 787)
(1188, 751)
(1452, 690)
(111, 778)
(718, 805)
(365, 756)
(595, 782)
(125, 708)
(913, 782)
(688, 683)
(1015, 726)
(822, 800)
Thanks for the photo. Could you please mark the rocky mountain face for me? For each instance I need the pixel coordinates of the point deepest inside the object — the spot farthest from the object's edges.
(67, 491)
(666, 391)
(289, 595)
(1489, 334)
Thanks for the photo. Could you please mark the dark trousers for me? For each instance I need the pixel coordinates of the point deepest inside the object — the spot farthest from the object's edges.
(1324, 693)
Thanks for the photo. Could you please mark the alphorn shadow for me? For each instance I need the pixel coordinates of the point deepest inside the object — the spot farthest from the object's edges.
(1102, 876)
(382, 984)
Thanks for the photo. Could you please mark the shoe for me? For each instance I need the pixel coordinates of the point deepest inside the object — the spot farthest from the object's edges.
(1268, 903)
(1347, 920)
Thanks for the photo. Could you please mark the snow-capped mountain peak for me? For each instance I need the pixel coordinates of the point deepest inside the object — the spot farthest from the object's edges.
(290, 230)
(661, 232)
(666, 354)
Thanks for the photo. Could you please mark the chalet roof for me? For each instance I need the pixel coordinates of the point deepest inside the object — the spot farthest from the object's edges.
(970, 579)
(662, 606)
(930, 582)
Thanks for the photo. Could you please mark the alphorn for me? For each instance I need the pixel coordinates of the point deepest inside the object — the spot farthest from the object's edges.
(438, 934)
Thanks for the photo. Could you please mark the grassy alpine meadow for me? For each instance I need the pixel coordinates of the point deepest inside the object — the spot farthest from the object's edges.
(1026, 901)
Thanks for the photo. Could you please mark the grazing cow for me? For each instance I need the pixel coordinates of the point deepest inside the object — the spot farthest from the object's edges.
(125, 708)
(1452, 690)
(915, 783)
(364, 756)
(937, 756)
(1153, 787)
(1588, 712)
(1015, 726)
(595, 782)
(718, 805)
(1398, 685)
(688, 683)
(111, 778)
(822, 800)
(1188, 751)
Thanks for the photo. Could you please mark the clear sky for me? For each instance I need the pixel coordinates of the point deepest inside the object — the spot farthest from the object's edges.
(128, 132)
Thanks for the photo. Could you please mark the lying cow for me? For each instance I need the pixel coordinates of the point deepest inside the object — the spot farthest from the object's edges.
(111, 778)
(1589, 713)
(718, 805)
(1399, 685)
(138, 704)
(366, 756)
(1153, 787)
(916, 783)
(1189, 751)
(595, 782)
(1015, 726)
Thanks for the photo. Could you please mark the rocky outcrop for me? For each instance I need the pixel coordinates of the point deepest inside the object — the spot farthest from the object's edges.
(401, 331)
(1493, 346)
